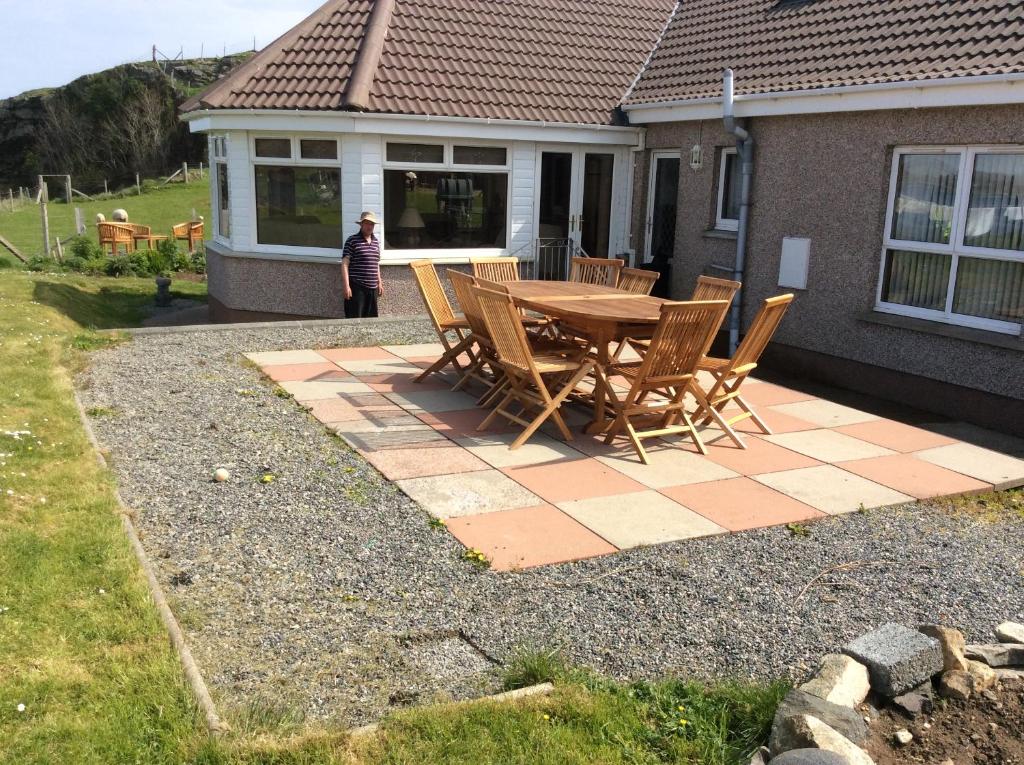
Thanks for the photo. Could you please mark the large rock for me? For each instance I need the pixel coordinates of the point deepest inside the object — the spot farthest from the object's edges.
(840, 680)
(956, 684)
(1010, 632)
(997, 654)
(810, 757)
(797, 703)
(914, 703)
(951, 642)
(982, 675)
(897, 657)
(808, 732)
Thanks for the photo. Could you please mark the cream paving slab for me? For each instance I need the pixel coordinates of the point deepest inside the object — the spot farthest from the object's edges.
(831, 490)
(828, 446)
(269, 358)
(455, 496)
(493, 449)
(974, 434)
(640, 518)
(390, 424)
(415, 351)
(1000, 470)
(827, 414)
(668, 466)
(323, 389)
(366, 367)
(433, 400)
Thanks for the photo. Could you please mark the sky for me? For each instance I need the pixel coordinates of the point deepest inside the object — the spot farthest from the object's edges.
(45, 43)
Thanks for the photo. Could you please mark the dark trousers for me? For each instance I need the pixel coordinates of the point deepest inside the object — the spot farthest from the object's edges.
(362, 304)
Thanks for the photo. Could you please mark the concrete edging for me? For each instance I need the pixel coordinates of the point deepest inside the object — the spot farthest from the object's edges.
(247, 325)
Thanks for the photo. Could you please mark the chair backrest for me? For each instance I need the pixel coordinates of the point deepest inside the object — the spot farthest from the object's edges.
(506, 330)
(114, 232)
(761, 330)
(196, 229)
(434, 297)
(140, 229)
(496, 269)
(683, 335)
(489, 284)
(637, 280)
(711, 288)
(464, 285)
(596, 270)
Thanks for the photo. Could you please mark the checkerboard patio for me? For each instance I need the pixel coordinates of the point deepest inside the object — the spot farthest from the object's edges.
(552, 501)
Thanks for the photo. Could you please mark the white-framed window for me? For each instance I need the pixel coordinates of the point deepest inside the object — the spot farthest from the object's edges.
(446, 196)
(727, 207)
(221, 188)
(953, 246)
(297, 182)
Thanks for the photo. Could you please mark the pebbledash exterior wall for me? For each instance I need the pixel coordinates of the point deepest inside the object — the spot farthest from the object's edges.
(826, 177)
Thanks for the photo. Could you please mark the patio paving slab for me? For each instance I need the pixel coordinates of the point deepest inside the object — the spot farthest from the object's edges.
(738, 504)
(643, 518)
(564, 480)
(770, 394)
(760, 456)
(528, 537)
(275, 358)
(777, 422)
(364, 367)
(416, 351)
(831, 489)
(1000, 470)
(895, 435)
(1003, 443)
(417, 462)
(354, 407)
(433, 400)
(669, 466)
(493, 449)
(913, 476)
(325, 370)
(389, 423)
(459, 423)
(828, 445)
(825, 414)
(395, 438)
(485, 491)
(325, 389)
(355, 354)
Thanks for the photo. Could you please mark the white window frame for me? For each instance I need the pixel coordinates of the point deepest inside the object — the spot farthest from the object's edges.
(955, 248)
(724, 224)
(450, 254)
(294, 161)
(219, 156)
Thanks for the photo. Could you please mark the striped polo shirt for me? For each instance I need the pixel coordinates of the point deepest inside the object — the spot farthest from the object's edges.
(363, 260)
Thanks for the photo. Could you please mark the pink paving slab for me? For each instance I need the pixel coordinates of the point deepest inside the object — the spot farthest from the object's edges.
(741, 503)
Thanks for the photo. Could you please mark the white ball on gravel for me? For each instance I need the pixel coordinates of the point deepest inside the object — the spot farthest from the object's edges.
(221, 474)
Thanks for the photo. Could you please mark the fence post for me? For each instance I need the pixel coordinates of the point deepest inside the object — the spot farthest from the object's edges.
(138, 184)
(67, 188)
(79, 221)
(105, 189)
(10, 195)
(184, 172)
(201, 176)
(44, 197)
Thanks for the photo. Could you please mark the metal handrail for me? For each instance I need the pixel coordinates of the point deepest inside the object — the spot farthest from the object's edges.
(548, 258)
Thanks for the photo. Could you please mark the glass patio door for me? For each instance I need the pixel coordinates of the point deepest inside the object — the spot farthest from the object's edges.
(662, 205)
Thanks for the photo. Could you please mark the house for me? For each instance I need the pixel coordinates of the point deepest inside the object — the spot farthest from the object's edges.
(885, 179)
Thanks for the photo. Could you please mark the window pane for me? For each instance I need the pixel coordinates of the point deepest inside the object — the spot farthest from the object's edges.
(918, 279)
(995, 217)
(415, 152)
(992, 289)
(318, 149)
(479, 155)
(223, 209)
(438, 209)
(925, 192)
(731, 192)
(274, 147)
(299, 206)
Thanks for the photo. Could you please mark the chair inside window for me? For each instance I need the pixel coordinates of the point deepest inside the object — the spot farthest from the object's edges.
(496, 269)
(603, 271)
(453, 331)
(637, 280)
(729, 374)
(538, 381)
(654, 406)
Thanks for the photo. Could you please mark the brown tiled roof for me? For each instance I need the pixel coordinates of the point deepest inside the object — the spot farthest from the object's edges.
(554, 60)
(778, 46)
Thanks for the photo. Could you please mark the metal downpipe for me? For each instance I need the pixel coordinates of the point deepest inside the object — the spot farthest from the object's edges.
(745, 154)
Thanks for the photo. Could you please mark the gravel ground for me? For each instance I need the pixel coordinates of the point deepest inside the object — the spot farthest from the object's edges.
(328, 590)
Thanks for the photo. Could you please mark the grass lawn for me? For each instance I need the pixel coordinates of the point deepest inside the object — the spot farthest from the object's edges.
(82, 648)
(159, 208)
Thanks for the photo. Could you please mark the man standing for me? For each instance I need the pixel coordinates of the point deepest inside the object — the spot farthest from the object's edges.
(360, 270)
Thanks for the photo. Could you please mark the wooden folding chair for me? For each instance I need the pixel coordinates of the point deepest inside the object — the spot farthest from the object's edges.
(442, 317)
(114, 236)
(682, 337)
(536, 380)
(485, 356)
(496, 269)
(637, 280)
(596, 271)
(190, 231)
(729, 374)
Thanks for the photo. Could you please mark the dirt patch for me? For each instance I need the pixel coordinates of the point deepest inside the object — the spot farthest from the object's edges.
(988, 728)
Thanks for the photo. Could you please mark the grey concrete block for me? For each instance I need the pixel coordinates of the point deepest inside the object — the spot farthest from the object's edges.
(844, 720)
(898, 658)
(809, 757)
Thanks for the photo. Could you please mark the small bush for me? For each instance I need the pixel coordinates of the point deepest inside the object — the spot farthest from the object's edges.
(530, 667)
(95, 265)
(140, 263)
(158, 263)
(199, 262)
(74, 263)
(5, 262)
(119, 265)
(85, 248)
(39, 263)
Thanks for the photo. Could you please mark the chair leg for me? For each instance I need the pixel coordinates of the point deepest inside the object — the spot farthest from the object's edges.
(552, 404)
(449, 357)
(753, 415)
(640, 451)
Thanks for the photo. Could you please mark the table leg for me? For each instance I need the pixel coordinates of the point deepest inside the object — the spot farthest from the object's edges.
(599, 424)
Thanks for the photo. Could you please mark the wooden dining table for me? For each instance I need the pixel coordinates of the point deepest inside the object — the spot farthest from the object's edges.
(597, 313)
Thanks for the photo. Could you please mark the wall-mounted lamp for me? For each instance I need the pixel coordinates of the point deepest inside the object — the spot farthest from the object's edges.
(696, 157)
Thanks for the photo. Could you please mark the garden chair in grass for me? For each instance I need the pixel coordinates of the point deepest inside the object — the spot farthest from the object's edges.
(445, 322)
(142, 233)
(538, 381)
(729, 374)
(114, 235)
(637, 280)
(682, 337)
(190, 231)
(496, 269)
(604, 271)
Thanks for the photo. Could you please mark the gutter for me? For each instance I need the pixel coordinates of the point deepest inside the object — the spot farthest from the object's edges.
(745, 153)
(357, 94)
